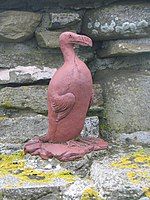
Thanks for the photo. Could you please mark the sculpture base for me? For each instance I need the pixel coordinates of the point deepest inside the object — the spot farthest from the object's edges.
(71, 150)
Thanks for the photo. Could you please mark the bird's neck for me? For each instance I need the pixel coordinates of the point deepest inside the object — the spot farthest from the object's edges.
(68, 53)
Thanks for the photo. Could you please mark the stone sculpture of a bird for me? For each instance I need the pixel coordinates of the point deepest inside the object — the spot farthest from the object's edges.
(69, 97)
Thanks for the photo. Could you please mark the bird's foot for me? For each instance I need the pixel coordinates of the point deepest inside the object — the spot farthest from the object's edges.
(45, 138)
(67, 151)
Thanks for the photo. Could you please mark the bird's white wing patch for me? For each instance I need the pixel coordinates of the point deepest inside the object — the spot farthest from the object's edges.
(62, 104)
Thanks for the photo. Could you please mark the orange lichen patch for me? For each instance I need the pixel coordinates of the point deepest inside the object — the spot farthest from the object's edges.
(14, 164)
(90, 194)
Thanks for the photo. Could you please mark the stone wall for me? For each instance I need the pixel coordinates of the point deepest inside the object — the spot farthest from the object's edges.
(119, 60)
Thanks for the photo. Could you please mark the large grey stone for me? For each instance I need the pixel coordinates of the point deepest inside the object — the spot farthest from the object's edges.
(34, 98)
(127, 102)
(60, 20)
(133, 62)
(28, 54)
(25, 177)
(48, 39)
(140, 137)
(118, 21)
(18, 26)
(20, 129)
(26, 75)
(124, 175)
(26, 97)
(124, 47)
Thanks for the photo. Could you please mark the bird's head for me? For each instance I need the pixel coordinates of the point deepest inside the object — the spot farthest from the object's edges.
(73, 38)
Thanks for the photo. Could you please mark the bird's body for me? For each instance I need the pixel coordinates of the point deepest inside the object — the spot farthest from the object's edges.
(72, 78)
(69, 97)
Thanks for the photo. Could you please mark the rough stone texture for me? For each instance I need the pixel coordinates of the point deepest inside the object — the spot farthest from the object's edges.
(133, 62)
(127, 102)
(33, 98)
(28, 54)
(20, 129)
(139, 137)
(60, 20)
(118, 21)
(91, 127)
(26, 177)
(124, 47)
(48, 39)
(124, 175)
(22, 75)
(25, 97)
(18, 26)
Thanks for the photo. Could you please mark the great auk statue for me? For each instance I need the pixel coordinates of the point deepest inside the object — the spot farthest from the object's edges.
(69, 97)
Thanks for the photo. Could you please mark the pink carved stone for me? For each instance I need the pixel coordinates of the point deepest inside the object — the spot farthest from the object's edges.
(69, 98)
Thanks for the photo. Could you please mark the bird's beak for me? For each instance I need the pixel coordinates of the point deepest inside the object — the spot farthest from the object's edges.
(83, 40)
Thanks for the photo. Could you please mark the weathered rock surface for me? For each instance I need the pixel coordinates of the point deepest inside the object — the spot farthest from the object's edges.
(124, 47)
(48, 39)
(26, 97)
(133, 62)
(25, 177)
(124, 175)
(20, 129)
(60, 20)
(127, 102)
(26, 75)
(118, 21)
(18, 26)
(34, 98)
(140, 137)
(28, 54)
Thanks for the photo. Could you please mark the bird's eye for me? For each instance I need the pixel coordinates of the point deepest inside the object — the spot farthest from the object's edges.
(70, 36)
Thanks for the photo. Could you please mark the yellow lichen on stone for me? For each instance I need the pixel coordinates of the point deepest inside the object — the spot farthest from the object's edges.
(137, 165)
(15, 165)
(133, 161)
(90, 194)
(147, 192)
(7, 104)
(2, 117)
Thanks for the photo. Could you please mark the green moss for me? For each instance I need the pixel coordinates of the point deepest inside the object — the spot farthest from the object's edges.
(7, 104)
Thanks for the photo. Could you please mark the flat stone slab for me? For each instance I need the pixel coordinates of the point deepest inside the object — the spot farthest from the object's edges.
(118, 21)
(140, 137)
(29, 74)
(20, 129)
(124, 47)
(123, 175)
(18, 26)
(132, 62)
(127, 102)
(63, 19)
(34, 98)
(23, 177)
(28, 54)
(121, 172)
